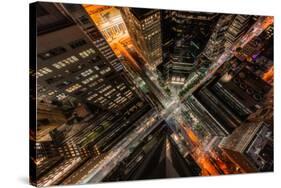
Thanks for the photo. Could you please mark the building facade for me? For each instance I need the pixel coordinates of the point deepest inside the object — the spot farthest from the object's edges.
(250, 147)
(73, 59)
(144, 28)
(184, 36)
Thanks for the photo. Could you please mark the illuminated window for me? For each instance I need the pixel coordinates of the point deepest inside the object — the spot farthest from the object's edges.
(91, 78)
(96, 67)
(87, 72)
(112, 106)
(100, 80)
(47, 69)
(103, 101)
(59, 65)
(105, 70)
(92, 96)
(87, 53)
(38, 74)
(110, 92)
(122, 88)
(105, 89)
(93, 84)
(51, 93)
(43, 71)
(73, 88)
(65, 62)
(61, 96)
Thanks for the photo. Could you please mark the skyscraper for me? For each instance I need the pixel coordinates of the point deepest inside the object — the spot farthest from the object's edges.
(184, 36)
(227, 31)
(75, 63)
(250, 147)
(71, 63)
(145, 31)
(172, 94)
(225, 102)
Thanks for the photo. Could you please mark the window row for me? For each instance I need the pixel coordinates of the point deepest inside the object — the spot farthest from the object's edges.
(73, 88)
(102, 72)
(65, 62)
(93, 84)
(87, 53)
(105, 89)
(61, 96)
(92, 96)
(110, 92)
(43, 71)
(87, 72)
(91, 78)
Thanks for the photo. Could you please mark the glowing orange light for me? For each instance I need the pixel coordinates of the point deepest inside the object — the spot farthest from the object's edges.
(268, 75)
(207, 165)
(192, 137)
(267, 22)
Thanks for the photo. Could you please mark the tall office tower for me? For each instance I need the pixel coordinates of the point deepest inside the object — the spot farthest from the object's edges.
(245, 88)
(75, 63)
(88, 138)
(215, 45)
(265, 113)
(184, 36)
(167, 41)
(250, 147)
(49, 114)
(51, 157)
(58, 172)
(145, 31)
(227, 31)
(82, 19)
(52, 134)
(258, 44)
(103, 17)
(49, 117)
(239, 25)
(268, 47)
(73, 59)
(203, 123)
(224, 103)
(156, 156)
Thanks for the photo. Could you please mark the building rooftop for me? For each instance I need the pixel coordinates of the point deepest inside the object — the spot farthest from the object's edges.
(49, 18)
(141, 13)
